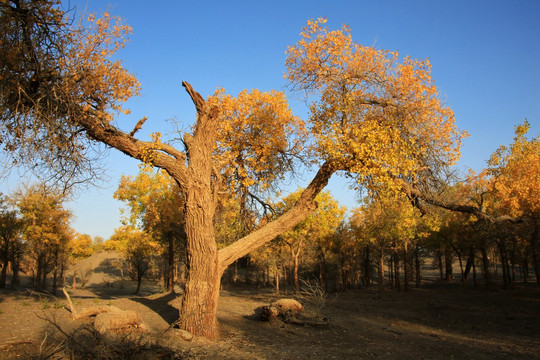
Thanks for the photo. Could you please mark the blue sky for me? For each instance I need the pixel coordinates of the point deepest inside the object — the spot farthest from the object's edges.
(485, 58)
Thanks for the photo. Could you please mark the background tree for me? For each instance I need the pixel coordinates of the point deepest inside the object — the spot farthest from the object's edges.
(10, 238)
(46, 231)
(515, 182)
(80, 247)
(373, 116)
(156, 204)
(318, 225)
(137, 248)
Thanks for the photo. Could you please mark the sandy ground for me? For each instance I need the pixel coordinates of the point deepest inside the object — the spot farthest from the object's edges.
(434, 322)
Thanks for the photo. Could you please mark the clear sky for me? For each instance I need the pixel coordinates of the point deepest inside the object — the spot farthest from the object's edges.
(485, 58)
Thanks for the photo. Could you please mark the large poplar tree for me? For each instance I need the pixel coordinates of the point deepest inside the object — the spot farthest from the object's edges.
(374, 116)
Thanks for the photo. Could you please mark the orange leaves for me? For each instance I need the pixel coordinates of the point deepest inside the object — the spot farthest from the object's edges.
(258, 137)
(515, 175)
(377, 117)
(101, 82)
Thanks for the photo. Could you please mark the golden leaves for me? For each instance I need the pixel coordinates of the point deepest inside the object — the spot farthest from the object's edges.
(515, 175)
(101, 82)
(258, 137)
(377, 117)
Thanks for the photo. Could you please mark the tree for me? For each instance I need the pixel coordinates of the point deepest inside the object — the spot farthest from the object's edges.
(515, 183)
(10, 242)
(155, 202)
(374, 117)
(46, 231)
(137, 248)
(318, 225)
(80, 247)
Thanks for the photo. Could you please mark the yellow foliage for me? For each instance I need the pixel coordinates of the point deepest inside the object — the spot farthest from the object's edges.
(514, 175)
(376, 116)
(258, 136)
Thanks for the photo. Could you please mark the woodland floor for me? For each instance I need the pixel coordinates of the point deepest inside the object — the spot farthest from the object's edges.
(434, 322)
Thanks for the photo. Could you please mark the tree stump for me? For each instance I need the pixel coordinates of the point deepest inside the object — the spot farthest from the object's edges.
(291, 312)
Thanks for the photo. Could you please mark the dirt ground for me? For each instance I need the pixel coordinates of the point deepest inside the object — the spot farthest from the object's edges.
(434, 322)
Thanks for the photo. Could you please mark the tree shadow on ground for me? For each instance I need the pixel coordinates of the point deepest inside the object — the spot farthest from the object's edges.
(109, 267)
(160, 305)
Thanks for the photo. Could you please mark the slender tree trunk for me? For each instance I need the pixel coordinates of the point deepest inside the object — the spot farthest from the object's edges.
(323, 272)
(485, 264)
(468, 267)
(475, 283)
(448, 260)
(55, 281)
(440, 263)
(461, 270)
(391, 269)
(503, 256)
(405, 268)
(276, 279)
(235, 274)
(74, 283)
(44, 280)
(533, 242)
(139, 282)
(170, 284)
(367, 266)
(397, 274)
(418, 266)
(381, 271)
(3, 275)
(295, 272)
(15, 276)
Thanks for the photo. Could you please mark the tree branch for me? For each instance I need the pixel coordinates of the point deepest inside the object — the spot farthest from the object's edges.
(166, 157)
(197, 99)
(305, 206)
(415, 193)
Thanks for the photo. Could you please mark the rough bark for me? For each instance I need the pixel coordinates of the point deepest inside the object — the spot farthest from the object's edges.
(193, 171)
(305, 206)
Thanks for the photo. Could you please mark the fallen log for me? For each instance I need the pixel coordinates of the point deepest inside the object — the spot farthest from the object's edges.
(114, 322)
(108, 318)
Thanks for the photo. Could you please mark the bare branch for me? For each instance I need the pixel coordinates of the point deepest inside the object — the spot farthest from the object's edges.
(138, 126)
(197, 99)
